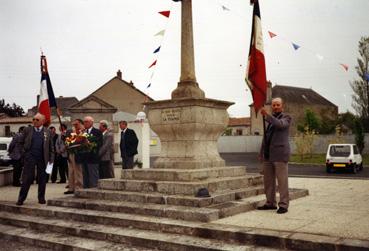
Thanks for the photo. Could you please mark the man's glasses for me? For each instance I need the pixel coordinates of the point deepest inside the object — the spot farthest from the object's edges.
(34, 119)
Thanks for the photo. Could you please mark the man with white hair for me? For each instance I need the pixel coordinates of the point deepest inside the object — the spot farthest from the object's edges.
(90, 160)
(106, 153)
(275, 153)
(38, 147)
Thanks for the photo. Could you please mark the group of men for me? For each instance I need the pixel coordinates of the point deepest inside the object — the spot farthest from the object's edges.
(36, 147)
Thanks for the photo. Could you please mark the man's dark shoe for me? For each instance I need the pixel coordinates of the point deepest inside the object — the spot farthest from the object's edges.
(282, 210)
(266, 207)
(68, 192)
(42, 201)
(19, 203)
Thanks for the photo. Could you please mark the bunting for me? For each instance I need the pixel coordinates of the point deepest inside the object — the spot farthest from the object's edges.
(154, 63)
(295, 46)
(366, 76)
(271, 34)
(165, 13)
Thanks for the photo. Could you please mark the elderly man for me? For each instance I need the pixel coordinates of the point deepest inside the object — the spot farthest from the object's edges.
(90, 160)
(38, 150)
(275, 152)
(106, 153)
(15, 153)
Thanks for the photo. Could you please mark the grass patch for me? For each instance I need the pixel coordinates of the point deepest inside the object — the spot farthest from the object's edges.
(319, 159)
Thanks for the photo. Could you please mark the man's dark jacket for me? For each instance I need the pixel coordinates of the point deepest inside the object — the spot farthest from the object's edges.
(129, 146)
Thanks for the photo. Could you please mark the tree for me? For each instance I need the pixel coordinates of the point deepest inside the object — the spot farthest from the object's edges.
(13, 110)
(359, 134)
(360, 98)
(311, 121)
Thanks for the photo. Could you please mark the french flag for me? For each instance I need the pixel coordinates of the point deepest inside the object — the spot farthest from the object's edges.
(47, 97)
(256, 73)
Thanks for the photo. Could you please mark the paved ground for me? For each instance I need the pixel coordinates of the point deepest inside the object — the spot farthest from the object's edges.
(335, 207)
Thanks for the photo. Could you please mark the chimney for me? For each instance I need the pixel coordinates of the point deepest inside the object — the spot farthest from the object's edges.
(119, 74)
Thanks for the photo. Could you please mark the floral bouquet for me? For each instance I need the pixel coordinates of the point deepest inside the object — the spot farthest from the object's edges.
(81, 143)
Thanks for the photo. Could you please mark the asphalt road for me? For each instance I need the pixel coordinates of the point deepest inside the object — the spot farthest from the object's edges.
(252, 165)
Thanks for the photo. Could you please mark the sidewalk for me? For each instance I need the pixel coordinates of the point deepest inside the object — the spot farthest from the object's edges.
(335, 207)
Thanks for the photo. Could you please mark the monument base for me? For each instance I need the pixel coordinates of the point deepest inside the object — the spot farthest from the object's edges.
(188, 129)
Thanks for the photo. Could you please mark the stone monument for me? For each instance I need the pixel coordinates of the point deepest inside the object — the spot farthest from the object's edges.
(189, 124)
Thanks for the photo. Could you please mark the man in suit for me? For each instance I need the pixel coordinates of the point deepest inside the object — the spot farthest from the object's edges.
(38, 148)
(275, 153)
(61, 154)
(128, 145)
(90, 160)
(106, 153)
(15, 153)
(54, 173)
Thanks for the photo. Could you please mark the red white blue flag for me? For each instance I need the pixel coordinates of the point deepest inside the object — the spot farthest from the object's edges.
(256, 73)
(47, 97)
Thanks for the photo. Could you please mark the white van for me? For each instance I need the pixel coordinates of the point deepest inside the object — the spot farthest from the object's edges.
(343, 156)
(4, 145)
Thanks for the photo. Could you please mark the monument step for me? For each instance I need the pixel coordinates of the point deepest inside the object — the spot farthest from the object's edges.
(57, 241)
(183, 174)
(114, 235)
(166, 211)
(182, 188)
(180, 200)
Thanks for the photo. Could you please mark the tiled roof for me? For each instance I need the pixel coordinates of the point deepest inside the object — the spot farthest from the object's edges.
(15, 120)
(245, 121)
(299, 95)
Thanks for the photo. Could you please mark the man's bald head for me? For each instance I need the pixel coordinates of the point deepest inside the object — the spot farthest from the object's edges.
(277, 105)
(88, 122)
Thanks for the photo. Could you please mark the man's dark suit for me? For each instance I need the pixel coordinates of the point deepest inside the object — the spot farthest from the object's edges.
(90, 162)
(128, 147)
(106, 154)
(32, 158)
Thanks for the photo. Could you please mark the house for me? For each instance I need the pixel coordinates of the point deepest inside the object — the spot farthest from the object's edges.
(239, 126)
(296, 101)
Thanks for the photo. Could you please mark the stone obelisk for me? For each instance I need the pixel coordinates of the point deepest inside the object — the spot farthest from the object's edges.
(188, 124)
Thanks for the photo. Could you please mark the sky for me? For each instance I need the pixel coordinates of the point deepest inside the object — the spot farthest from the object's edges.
(87, 41)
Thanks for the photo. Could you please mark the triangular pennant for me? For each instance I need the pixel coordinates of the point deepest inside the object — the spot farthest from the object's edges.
(345, 66)
(165, 13)
(154, 63)
(160, 33)
(225, 8)
(148, 86)
(366, 76)
(271, 34)
(152, 75)
(157, 50)
(295, 46)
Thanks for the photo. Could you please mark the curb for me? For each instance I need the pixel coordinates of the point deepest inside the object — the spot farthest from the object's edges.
(284, 239)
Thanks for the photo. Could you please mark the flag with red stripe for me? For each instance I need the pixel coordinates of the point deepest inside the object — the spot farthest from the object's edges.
(256, 73)
(47, 97)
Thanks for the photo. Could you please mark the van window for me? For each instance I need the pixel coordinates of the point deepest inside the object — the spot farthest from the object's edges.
(3, 147)
(339, 151)
(356, 150)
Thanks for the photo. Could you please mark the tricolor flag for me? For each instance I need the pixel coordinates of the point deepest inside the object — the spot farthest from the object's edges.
(47, 97)
(256, 73)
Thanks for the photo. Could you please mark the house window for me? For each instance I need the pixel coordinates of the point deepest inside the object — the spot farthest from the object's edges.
(239, 132)
(7, 131)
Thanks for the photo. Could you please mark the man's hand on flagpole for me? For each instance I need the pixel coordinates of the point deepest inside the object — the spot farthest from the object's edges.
(263, 111)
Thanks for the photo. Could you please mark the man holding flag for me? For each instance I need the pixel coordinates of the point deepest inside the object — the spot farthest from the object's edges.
(275, 148)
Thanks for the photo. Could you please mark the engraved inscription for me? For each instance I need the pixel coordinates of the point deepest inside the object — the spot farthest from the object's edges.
(171, 115)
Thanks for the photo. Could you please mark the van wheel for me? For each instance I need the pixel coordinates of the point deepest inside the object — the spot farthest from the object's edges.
(354, 168)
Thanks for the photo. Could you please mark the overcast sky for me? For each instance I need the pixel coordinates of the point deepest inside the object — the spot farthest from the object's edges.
(87, 41)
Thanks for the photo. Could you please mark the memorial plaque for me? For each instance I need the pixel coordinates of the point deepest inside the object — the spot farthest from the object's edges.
(171, 115)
